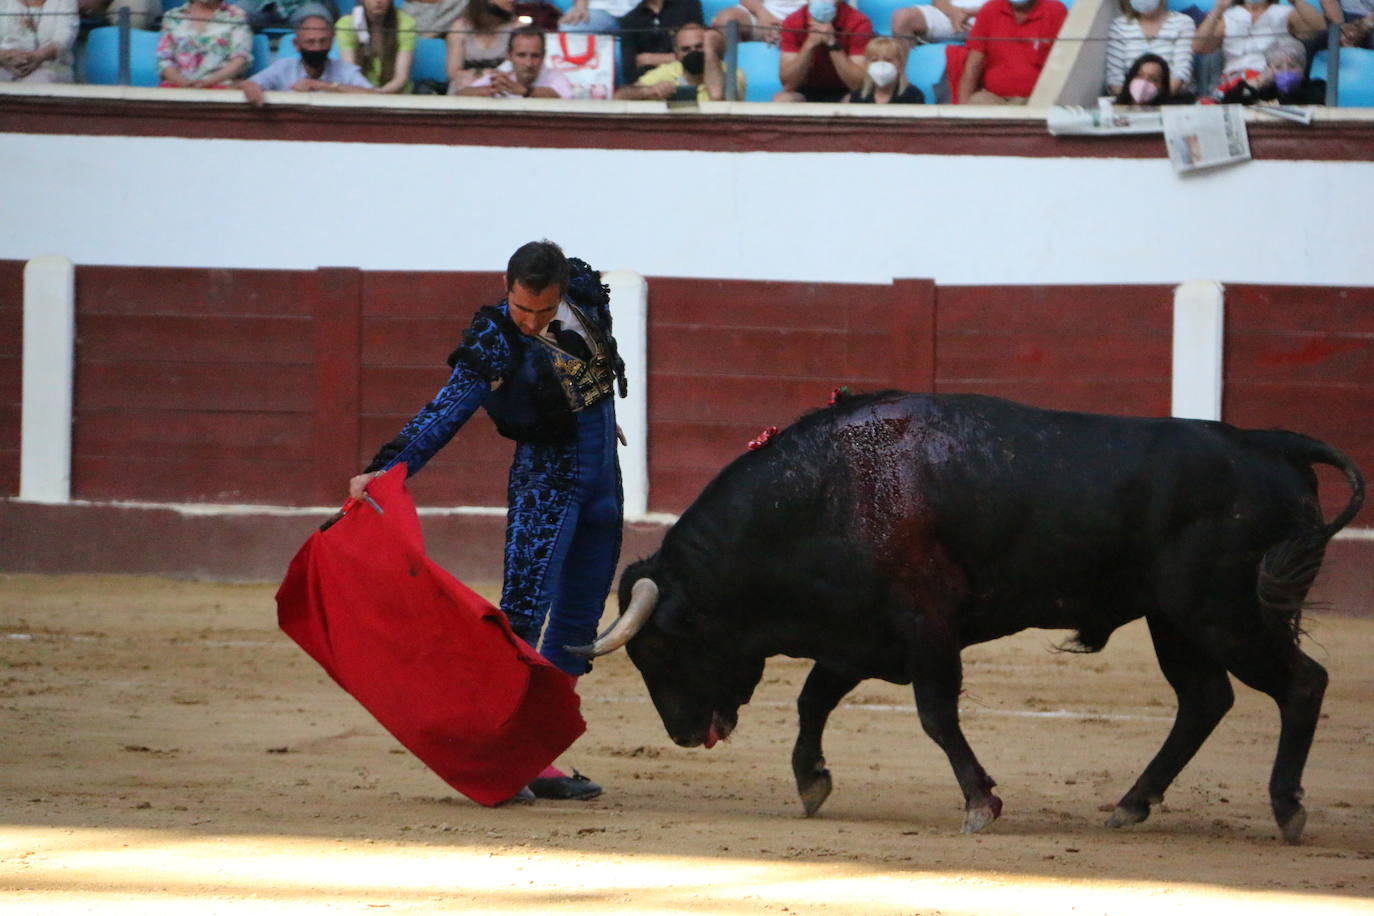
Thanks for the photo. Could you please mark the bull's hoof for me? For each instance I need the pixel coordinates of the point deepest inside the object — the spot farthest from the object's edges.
(975, 819)
(1292, 826)
(814, 791)
(1124, 816)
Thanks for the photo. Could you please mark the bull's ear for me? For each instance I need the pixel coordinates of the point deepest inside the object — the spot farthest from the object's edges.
(643, 600)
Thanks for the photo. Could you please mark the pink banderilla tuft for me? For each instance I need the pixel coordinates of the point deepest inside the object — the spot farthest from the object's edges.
(763, 438)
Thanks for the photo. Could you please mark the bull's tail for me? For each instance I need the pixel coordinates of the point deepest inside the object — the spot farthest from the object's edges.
(1288, 569)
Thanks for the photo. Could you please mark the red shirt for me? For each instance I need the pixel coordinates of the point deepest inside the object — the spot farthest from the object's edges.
(852, 30)
(1010, 68)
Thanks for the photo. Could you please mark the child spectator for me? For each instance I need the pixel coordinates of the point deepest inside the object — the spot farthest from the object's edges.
(36, 38)
(205, 44)
(1148, 83)
(1149, 26)
(380, 39)
(885, 77)
(478, 41)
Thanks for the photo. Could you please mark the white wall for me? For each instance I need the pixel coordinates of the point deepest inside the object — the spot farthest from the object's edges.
(797, 216)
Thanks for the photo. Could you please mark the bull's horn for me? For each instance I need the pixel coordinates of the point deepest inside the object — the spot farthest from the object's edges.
(643, 599)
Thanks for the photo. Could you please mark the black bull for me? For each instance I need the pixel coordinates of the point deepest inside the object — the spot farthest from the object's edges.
(882, 535)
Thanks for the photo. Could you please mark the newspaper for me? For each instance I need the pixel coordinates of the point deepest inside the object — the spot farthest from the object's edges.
(1104, 121)
(1205, 136)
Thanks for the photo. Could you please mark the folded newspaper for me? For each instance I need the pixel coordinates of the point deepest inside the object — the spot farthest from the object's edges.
(1205, 136)
(1105, 120)
(1196, 136)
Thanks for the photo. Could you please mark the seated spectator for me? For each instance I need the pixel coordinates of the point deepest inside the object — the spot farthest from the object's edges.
(885, 76)
(142, 13)
(523, 75)
(36, 38)
(380, 39)
(1245, 30)
(942, 20)
(433, 18)
(276, 14)
(1358, 29)
(758, 20)
(1007, 49)
(313, 71)
(599, 16)
(205, 44)
(479, 41)
(1282, 82)
(1148, 26)
(1148, 83)
(823, 46)
(695, 73)
(646, 37)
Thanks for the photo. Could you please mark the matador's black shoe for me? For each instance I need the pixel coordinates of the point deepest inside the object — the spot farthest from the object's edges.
(563, 787)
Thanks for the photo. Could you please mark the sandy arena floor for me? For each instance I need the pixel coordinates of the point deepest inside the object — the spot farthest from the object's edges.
(166, 750)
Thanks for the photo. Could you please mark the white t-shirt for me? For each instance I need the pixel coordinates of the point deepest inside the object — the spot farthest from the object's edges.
(616, 8)
(1247, 39)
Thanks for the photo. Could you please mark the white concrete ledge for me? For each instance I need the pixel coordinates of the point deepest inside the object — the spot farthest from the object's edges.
(599, 107)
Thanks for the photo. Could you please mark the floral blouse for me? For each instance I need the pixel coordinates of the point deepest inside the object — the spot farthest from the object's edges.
(199, 53)
(28, 28)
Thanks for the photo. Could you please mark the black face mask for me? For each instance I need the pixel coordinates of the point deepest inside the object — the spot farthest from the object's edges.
(315, 60)
(694, 62)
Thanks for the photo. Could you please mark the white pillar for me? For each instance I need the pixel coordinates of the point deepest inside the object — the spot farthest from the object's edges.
(1199, 341)
(630, 306)
(45, 444)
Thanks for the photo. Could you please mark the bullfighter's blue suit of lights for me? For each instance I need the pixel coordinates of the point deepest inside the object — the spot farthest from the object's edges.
(563, 522)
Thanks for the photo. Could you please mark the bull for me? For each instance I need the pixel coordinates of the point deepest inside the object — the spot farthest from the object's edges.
(882, 535)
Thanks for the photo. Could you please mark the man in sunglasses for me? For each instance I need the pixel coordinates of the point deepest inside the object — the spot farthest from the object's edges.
(695, 73)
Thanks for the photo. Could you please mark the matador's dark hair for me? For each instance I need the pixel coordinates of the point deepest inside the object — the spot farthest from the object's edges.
(538, 265)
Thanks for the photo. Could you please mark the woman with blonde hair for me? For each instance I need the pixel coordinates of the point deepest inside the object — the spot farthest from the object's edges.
(885, 76)
(1149, 27)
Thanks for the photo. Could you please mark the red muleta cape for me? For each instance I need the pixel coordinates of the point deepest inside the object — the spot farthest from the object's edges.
(432, 660)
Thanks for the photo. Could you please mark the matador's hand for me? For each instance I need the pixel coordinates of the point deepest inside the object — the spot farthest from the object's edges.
(358, 485)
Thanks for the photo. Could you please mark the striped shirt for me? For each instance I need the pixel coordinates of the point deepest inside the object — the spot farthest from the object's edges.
(1174, 42)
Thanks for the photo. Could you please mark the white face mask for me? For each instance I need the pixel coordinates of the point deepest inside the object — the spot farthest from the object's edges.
(883, 73)
(822, 10)
(1144, 7)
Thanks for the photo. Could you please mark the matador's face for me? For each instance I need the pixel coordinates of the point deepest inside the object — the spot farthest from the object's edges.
(532, 311)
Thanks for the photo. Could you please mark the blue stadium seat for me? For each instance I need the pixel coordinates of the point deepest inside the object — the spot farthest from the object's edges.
(431, 60)
(925, 66)
(1356, 87)
(759, 61)
(880, 11)
(262, 54)
(1179, 6)
(102, 57)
